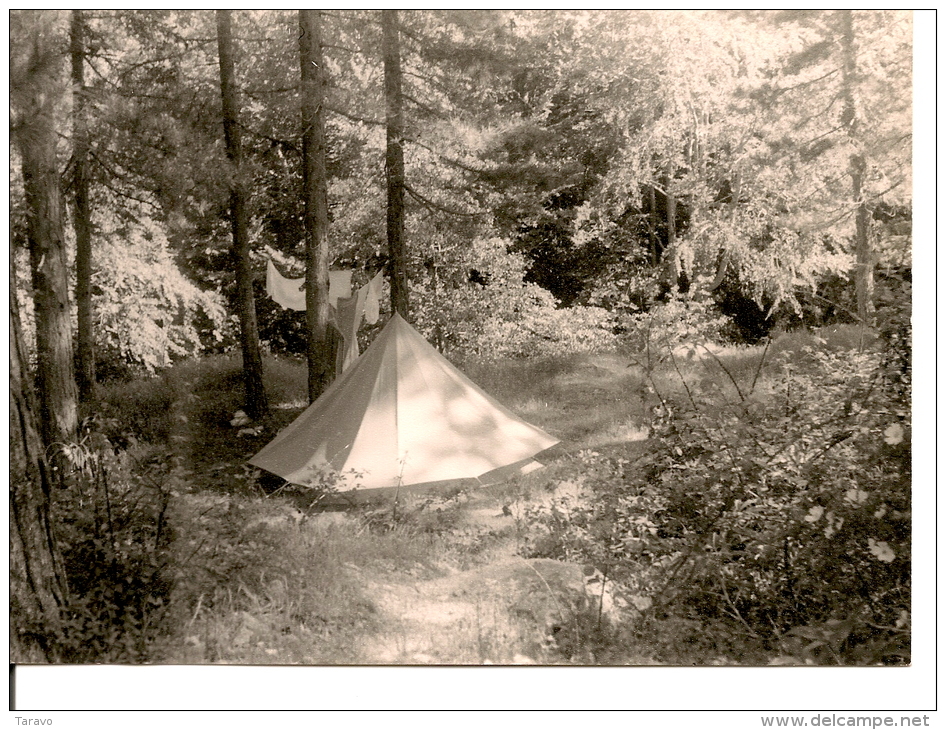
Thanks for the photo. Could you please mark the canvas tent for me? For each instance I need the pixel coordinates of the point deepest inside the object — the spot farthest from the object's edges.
(402, 415)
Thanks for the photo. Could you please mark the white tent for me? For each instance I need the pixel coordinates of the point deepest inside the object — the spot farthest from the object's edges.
(401, 415)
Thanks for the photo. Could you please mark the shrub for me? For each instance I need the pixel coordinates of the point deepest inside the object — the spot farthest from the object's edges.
(777, 522)
(681, 322)
(112, 528)
(147, 312)
(502, 315)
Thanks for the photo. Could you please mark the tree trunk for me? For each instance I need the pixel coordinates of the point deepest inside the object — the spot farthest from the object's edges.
(394, 163)
(36, 137)
(256, 404)
(319, 348)
(82, 221)
(37, 583)
(671, 254)
(652, 199)
(864, 267)
(722, 264)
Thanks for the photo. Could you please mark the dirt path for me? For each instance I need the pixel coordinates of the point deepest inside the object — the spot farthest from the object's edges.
(503, 613)
(504, 610)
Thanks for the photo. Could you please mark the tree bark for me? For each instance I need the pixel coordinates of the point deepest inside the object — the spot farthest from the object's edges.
(37, 583)
(35, 133)
(722, 264)
(256, 403)
(394, 163)
(319, 349)
(673, 258)
(864, 266)
(82, 218)
(652, 199)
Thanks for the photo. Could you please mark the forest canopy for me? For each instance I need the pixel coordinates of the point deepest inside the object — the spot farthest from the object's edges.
(575, 168)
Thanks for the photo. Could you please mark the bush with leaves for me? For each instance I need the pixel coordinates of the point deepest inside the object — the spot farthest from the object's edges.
(499, 314)
(679, 325)
(112, 528)
(777, 520)
(147, 312)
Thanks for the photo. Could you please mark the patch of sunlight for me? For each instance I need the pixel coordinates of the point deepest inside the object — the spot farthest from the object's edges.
(624, 432)
(290, 405)
(531, 405)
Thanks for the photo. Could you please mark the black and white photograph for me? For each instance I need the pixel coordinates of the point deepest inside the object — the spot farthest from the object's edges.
(467, 338)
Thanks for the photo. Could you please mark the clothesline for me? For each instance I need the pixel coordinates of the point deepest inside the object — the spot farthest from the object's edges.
(346, 310)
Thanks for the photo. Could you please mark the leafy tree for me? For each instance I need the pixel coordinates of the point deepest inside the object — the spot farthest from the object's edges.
(147, 313)
(844, 128)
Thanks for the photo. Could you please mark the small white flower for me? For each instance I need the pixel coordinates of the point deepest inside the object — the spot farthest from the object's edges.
(880, 550)
(814, 514)
(893, 434)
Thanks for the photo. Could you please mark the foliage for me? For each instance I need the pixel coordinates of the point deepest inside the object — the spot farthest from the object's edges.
(544, 149)
(778, 519)
(147, 313)
(499, 315)
(112, 528)
(682, 323)
(547, 129)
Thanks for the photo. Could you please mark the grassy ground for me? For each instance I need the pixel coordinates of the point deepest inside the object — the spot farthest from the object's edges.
(260, 580)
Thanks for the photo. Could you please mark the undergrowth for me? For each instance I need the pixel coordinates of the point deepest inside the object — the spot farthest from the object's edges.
(769, 520)
(735, 505)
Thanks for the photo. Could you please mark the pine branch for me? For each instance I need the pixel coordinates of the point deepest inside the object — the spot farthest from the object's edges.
(284, 143)
(436, 206)
(824, 111)
(353, 51)
(96, 158)
(354, 118)
(443, 158)
(256, 93)
(809, 82)
(432, 112)
(436, 83)
(820, 136)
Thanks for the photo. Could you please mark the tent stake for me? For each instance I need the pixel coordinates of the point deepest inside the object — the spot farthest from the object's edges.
(397, 490)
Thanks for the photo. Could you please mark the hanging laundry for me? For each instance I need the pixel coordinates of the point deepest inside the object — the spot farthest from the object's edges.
(290, 293)
(373, 299)
(348, 314)
(339, 285)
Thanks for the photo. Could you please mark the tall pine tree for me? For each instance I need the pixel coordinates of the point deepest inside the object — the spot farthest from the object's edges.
(256, 403)
(82, 214)
(394, 162)
(315, 196)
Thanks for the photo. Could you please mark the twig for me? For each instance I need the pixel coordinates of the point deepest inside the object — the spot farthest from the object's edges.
(200, 602)
(725, 370)
(686, 387)
(542, 578)
(735, 611)
(755, 378)
(604, 580)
